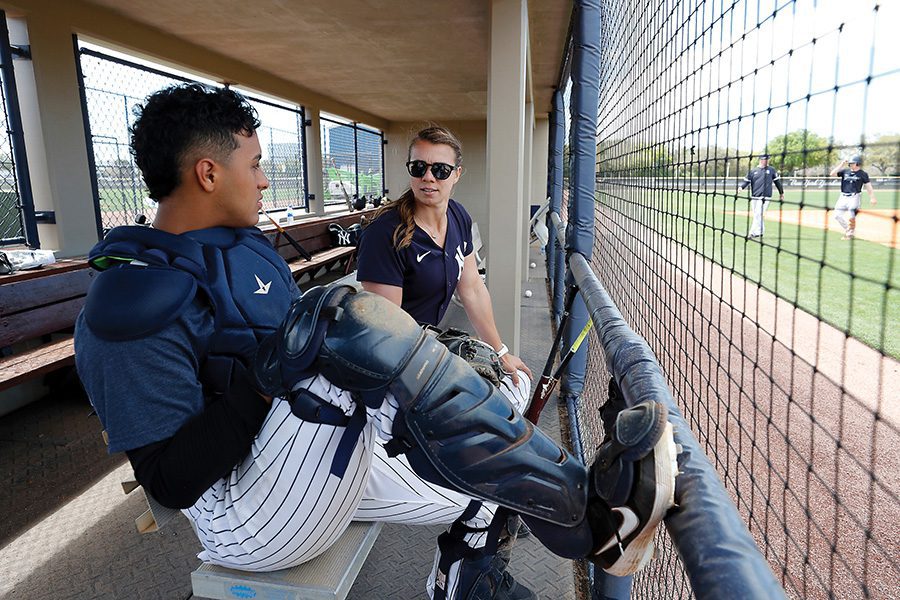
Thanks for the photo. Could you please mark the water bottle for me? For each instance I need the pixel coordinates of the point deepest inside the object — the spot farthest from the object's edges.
(290, 215)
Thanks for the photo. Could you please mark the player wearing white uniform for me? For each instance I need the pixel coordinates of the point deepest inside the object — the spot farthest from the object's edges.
(273, 420)
(760, 181)
(853, 180)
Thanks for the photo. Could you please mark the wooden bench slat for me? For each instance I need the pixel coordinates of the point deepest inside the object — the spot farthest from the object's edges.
(28, 325)
(60, 266)
(24, 295)
(38, 361)
(312, 233)
(320, 260)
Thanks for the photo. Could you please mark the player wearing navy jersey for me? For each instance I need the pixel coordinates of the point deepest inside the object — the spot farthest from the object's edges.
(273, 419)
(418, 251)
(760, 181)
(853, 180)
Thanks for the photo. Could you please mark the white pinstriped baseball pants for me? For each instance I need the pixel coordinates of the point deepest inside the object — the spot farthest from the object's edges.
(281, 506)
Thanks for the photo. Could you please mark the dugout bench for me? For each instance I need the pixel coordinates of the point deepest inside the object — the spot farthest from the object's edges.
(312, 234)
(37, 316)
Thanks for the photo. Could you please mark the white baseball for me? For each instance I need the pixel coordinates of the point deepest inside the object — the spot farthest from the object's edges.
(532, 265)
(528, 293)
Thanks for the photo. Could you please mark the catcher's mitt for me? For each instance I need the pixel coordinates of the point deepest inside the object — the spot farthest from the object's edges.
(478, 354)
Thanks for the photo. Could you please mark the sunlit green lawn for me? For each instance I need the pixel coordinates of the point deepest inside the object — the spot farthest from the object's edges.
(854, 286)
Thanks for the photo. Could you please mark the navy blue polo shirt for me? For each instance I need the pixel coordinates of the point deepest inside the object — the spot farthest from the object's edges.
(852, 182)
(427, 273)
(760, 181)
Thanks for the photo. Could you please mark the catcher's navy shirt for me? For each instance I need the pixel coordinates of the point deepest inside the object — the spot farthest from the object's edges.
(427, 273)
(852, 182)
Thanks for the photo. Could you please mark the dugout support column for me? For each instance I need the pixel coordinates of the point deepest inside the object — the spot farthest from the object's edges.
(555, 255)
(57, 159)
(506, 163)
(314, 174)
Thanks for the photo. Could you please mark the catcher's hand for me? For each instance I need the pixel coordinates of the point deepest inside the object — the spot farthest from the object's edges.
(479, 355)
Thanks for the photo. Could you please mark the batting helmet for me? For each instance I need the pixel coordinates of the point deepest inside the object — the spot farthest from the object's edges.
(856, 159)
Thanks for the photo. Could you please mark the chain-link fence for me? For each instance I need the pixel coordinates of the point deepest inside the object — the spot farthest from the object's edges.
(16, 220)
(370, 162)
(352, 163)
(282, 136)
(112, 86)
(773, 308)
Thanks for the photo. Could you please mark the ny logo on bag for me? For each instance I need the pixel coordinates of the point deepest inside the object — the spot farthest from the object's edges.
(343, 238)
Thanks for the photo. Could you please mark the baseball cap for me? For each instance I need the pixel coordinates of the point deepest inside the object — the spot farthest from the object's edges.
(855, 159)
(763, 157)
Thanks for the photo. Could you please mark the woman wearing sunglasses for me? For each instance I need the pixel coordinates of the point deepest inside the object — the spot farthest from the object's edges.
(417, 252)
(418, 249)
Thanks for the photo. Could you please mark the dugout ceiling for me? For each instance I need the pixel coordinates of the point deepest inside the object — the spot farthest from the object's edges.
(396, 60)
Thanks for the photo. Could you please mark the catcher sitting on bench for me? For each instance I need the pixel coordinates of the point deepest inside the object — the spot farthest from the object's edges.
(274, 419)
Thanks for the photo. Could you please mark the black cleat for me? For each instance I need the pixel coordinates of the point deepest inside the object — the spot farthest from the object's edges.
(633, 486)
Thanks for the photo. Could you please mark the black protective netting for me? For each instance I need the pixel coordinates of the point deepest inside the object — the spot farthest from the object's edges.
(780, 339)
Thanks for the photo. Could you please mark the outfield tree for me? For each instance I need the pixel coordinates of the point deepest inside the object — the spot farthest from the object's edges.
(801, 149)
(652, 160)
(633, 158)
(719, 162)
(883, 153)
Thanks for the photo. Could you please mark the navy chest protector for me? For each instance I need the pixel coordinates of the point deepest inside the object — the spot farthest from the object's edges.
(149, 277)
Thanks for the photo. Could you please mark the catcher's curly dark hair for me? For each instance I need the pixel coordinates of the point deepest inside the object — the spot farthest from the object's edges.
(183, 123)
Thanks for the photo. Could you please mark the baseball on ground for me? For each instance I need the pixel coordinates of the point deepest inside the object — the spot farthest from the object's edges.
(528, 293)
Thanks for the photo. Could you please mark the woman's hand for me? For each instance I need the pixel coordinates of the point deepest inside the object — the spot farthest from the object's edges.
(512, 364)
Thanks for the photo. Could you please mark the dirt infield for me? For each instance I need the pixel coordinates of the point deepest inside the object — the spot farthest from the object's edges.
(801, 421)
(874, 225)
(805, 432)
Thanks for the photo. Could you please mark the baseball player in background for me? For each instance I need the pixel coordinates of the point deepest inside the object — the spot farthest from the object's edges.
(274, 419)
(760, 181)
(853, 180)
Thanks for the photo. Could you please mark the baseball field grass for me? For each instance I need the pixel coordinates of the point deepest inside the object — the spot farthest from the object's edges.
(853, 285)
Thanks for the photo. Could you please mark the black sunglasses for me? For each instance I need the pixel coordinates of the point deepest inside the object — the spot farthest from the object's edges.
(441, 171)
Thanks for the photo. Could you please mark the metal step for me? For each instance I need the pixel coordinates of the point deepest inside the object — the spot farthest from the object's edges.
(329, 576)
